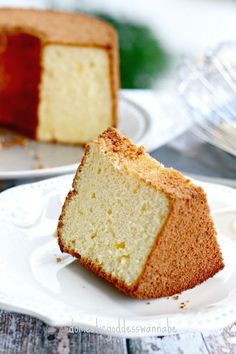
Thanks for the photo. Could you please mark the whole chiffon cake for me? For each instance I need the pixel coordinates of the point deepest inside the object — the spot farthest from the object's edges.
(59, 75)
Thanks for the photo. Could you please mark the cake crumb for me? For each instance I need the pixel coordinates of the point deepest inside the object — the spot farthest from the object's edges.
(37, 156)
(58, 259)
(175, 297)
(39, 166)
(11, 141)
(183, 305)
(148, 303)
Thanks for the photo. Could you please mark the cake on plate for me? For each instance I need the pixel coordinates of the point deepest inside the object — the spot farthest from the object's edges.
(145, 228)
(58, 75)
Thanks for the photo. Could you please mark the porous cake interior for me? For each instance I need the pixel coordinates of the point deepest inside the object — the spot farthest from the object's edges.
(75, 85)
(113, 218)
(64, 90)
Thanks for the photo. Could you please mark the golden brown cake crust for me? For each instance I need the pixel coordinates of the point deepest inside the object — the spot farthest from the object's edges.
(59, 27)
(188, 230)
(65, 28)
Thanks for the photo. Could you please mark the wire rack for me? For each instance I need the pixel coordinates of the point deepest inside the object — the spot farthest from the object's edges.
(208, 88)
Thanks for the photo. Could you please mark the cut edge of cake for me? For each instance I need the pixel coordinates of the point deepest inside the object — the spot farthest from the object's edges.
(184, 252)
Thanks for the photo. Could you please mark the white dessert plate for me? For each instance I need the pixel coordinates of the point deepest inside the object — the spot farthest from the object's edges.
(38, 280)
(145, 117)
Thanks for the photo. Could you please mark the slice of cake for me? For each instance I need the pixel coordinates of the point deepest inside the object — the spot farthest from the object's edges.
(58, 75)
(145, 228)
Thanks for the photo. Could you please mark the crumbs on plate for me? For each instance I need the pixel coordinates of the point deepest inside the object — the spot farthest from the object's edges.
(175, 297)
(184, 305)
(11, 141)
(39, 166)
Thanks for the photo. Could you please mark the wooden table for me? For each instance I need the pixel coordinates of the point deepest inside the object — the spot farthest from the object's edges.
(24, 334)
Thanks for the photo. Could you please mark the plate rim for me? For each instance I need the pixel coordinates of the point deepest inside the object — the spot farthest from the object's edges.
(178, 320)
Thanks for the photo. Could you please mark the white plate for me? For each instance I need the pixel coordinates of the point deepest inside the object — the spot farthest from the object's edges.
(142, 117)
(65, 294)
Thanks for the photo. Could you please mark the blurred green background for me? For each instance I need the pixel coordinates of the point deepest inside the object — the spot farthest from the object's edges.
(142, 57)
